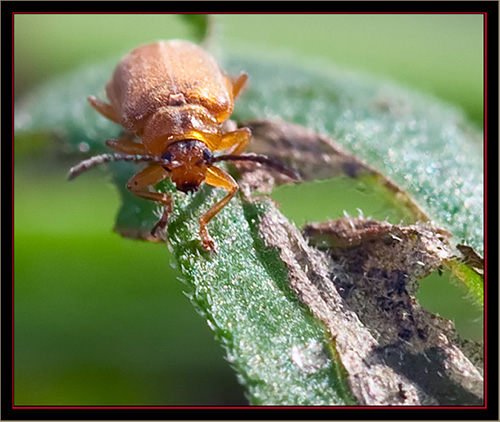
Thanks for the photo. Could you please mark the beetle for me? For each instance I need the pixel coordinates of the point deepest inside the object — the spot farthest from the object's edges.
(173, 97)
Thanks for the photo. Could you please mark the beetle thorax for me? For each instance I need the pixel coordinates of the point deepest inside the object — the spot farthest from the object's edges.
(188, 163)
(175, 123)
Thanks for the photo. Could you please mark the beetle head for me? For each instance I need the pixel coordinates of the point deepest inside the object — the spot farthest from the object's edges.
(188, 163)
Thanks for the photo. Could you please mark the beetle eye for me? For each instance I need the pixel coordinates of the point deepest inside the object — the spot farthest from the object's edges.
(207, 155)
(167, 156)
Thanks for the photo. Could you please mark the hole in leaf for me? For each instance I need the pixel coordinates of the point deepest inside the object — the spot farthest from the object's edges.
(329, 199)
(441, 295)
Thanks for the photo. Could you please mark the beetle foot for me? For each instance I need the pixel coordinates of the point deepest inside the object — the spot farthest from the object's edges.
(207, 241)
(159, 232)
(160, 228)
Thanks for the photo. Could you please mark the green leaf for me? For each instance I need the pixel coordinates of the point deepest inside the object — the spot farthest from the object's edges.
(276, 304)
(279, 350)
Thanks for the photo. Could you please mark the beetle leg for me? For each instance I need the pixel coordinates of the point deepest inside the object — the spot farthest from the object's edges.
(103, 108)
(239, 83)
(125, 145)
(151, 176)
(236, 141)
(220, 179)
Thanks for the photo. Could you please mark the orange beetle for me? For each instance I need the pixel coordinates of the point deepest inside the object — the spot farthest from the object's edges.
(173, 96)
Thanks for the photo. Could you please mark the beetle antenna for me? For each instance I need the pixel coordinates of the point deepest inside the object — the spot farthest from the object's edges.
(261, 159)
(107, 158)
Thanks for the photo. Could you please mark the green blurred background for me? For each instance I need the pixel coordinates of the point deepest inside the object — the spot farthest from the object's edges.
(100, 320)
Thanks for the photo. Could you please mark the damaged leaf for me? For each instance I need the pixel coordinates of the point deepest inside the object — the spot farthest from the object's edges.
(426, 148)
(317, 157)
(364, 294)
